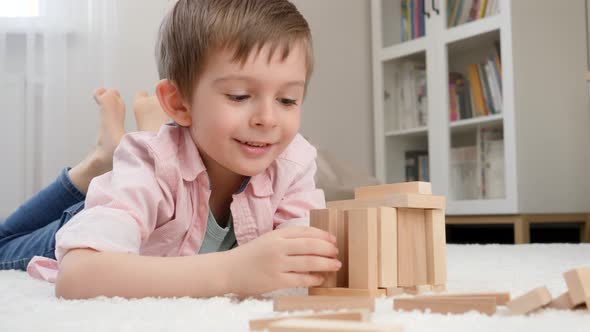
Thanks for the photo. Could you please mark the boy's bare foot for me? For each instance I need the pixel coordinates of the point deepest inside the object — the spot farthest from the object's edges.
(149, 115)
(100, 161)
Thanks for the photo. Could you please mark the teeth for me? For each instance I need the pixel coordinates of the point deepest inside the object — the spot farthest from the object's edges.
(258, 145)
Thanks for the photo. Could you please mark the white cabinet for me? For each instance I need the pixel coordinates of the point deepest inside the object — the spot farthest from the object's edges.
(527, 150)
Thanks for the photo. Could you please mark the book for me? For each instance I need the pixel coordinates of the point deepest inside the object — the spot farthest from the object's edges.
(479, 108)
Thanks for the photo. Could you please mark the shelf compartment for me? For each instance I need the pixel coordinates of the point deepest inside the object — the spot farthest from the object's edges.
(393, 22)
(472, 29)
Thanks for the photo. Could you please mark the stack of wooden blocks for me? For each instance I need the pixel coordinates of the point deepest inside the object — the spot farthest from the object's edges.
(391, 239)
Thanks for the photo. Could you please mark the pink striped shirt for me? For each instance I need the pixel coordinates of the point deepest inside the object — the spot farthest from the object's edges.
(155, 202)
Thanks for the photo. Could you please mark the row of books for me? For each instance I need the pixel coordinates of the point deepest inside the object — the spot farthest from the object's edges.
(479, 92)
(417, 166)
(409, 99)
(412, 22)
(477, 172)
(463, 11)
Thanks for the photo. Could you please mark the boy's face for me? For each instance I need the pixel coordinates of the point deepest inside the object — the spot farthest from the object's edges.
(243, 117)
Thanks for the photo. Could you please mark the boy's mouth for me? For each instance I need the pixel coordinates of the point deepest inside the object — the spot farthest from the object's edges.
(254, 144)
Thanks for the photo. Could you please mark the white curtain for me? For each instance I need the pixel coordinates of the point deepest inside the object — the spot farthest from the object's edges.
(50, 63)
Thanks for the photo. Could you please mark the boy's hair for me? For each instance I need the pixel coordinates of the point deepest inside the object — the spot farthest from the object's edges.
(193, 28)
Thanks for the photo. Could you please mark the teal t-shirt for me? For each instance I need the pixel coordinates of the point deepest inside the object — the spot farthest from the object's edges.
(217, 238)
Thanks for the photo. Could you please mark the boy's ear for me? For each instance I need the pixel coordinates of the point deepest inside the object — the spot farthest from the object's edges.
(172, 103)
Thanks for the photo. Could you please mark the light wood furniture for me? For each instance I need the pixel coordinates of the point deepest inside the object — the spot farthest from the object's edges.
(522, 223)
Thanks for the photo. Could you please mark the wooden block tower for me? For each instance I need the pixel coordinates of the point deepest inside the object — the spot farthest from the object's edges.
(391, 239)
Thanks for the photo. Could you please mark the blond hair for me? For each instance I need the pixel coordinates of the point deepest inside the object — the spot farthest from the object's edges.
(193, 28)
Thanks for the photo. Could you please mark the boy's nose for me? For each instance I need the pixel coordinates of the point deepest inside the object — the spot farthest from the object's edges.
(264, 116)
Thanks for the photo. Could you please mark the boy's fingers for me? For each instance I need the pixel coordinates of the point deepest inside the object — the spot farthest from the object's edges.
(306, 280)
(306, 232)
(311, 264)
(97, 93)
(310, 246)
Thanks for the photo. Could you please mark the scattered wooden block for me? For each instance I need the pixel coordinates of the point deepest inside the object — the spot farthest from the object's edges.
(411, 201)
(533, 300)
(342, 242)
(501, 298)
(411, 248)
(562, 302)
(393, 291)
(416, 290)
(353, 315)
(362, 249)
(326, 220)
(381, 191)
(387, 246)
(436, 247)
(316, 303)
(447, 305)
(578, 284)
(324, 325)
(341, 291)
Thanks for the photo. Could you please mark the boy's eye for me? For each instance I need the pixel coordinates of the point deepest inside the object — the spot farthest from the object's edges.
(288, 102)
(237, 98)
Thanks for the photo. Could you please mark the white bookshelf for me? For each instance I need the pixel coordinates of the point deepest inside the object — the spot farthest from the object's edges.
(545, 116)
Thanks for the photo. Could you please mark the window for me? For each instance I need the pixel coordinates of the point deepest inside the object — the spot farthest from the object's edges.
(19, 8)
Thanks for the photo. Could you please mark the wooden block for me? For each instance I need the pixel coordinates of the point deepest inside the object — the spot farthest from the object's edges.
(362, 249)
(352, 315)
(326, 220)
(447, 305)
(533, 300)
(436, 247)
(413, 201)
(578, 284)
(381, 191)
(387, 246)
(341, 291)
(501, 298)
(416, 290)
(562, 302)
(342, 242)
(411, 248)
(439, 288)
(317, 303)
(393, 291)
(324, 325)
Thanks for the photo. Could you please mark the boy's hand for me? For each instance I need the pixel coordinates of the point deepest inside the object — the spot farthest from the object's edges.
(286, 258)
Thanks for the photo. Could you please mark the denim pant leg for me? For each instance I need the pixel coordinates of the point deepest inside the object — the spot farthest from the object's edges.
(45, 207)
(16, 251)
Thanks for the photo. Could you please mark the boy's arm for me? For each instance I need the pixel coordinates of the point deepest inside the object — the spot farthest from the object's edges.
(86, 273)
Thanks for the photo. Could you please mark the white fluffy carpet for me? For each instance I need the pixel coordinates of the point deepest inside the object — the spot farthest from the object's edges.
(30, 305)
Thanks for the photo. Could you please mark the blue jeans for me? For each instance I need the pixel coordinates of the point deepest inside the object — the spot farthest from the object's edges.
(30, 230)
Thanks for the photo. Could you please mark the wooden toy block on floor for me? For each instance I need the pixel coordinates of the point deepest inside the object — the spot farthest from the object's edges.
(317, 303)
(578, 284)
(362, 249)
(501, 298)
(352, 315)
(447, 305)
(562, 302)
(342, 291)
(411, 201)
(411, 247)
(533, 300)
(393, 291)
(436, 247)
(387, 246)
(371, 192)
(417, 290)
(322, 325)
(326, 220)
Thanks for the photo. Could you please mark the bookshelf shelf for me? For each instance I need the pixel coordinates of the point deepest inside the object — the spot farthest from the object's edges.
(495, 119)
(420, 131)
(508, 148)
(472, 29)
(404, 49)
